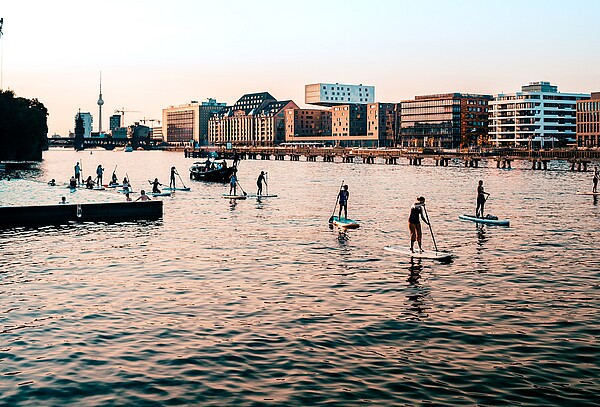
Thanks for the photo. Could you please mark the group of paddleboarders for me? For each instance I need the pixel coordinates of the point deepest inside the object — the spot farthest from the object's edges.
(233, 183)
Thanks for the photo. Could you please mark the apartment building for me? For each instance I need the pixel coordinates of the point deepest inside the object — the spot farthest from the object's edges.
(188, 123)
(256, 119)
(588, 121)
(331, 94)
(448, 120)
(538, 116)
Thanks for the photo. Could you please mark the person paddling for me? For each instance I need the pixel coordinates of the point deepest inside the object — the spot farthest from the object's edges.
(233, 183)
(172, 180)
(155, 185)
(595, 180)
(481, 198)
(259, 181)
(99, 172)
(414, 223)
(343, 197)
(143, 196)
(78, 173)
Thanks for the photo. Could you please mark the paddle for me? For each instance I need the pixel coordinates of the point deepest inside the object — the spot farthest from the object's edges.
(267, 181)
(238, 184)
(129, 182)
(430, 229)
(336, 202)
(180, 179)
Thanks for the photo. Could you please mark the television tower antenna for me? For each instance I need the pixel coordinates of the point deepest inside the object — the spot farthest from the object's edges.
(100, 103)
(1, 56)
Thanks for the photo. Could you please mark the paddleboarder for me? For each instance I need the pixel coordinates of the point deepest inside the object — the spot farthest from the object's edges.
(481, 198)
(99, 172)
(172, 181)
(78, 173)
(73, 183)
(343, 197)
(595, 180)
(259, 181)
(114, 180)
(233, 183)
(155, 185)
(414, 223)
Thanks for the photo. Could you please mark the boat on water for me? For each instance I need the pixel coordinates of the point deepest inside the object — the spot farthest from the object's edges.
(211, 172)
(488, 220)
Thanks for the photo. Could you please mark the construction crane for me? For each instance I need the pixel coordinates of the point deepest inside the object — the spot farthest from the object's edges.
(144, 120)
(122, 111)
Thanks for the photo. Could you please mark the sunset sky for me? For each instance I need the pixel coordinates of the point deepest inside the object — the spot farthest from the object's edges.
(153, 54)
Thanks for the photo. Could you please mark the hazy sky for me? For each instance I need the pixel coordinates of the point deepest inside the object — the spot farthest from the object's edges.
(153, 54)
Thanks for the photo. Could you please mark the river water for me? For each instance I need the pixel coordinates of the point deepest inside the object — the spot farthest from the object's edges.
(261, 304)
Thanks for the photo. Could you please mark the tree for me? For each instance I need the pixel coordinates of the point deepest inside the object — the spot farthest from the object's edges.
(23, 128)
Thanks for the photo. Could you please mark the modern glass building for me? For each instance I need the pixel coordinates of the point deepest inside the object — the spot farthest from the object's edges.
(538, 116)
(448, 120)
(331, 94)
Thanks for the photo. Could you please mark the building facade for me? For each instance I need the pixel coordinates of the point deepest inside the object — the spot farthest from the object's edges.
(588, 121)
(448, 120)
(114, 122)
(538, 116)
(383, 121)
(256, 119)
(87, 123)
(188, 123)
(331, 94)
(307, 125)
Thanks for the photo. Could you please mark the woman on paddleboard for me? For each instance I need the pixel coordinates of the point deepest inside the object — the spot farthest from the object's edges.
(480, 200)
(595, 180)
(414, 223)
(343, 196)
(233, 184)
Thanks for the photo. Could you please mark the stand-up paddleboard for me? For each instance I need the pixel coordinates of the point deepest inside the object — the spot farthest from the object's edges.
(427, 254)
(344, 223)
(125, 191)
(155, 194)
(262, 196)
(113, 185)
(487, 221)
(588, 193)
(177, 189)
(234, 196)
(98, 189)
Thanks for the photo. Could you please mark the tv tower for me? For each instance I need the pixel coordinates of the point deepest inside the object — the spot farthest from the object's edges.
(100, 103)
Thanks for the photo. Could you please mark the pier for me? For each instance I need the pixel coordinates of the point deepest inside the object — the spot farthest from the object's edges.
(539, 159)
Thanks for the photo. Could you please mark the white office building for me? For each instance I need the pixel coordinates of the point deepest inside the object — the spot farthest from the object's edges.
(331, 94)
(538, 116)
(87, 123)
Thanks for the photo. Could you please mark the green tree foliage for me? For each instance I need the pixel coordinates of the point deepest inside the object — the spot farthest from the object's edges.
(23, 127)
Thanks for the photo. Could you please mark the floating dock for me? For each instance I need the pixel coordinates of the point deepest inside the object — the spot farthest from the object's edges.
(64, 214)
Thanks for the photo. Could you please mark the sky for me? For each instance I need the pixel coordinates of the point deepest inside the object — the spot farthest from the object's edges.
(154, 54)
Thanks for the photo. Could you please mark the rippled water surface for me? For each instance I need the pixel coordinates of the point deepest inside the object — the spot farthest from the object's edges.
(261, 304)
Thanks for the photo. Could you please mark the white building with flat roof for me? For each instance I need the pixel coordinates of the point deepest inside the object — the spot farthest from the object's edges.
(331, 94)
(538, 116)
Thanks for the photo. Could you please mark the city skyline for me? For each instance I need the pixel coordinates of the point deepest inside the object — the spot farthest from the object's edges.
(152, 55)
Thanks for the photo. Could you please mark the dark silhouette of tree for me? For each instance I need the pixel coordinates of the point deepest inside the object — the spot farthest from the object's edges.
(23, 128)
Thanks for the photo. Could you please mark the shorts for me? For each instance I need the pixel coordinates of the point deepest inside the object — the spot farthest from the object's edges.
(415, 231)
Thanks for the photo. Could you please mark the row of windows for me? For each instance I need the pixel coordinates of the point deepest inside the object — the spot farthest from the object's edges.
(342, 88)
(588, 128)
(588, 106)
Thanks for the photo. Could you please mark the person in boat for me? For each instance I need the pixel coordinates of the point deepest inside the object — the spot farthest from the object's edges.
(155, 185)
(89, 182)
(63, 200)
(343, 198)
(99, 172)
(143, 196)
(481, 198)
(224, 164)
(52, 182)
(259, 181)
(595, 180)
(127, 197)
(414, 223)
(233, 184)
(172, 180)
(73, 183)
(207, 165)
(78, 173)
(236, 159)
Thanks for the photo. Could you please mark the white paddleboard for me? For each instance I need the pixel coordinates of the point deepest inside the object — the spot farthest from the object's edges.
(234, 196)
(262, 196)
(155, 194)
(588, 193)
(497, 222)
(427, 254)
